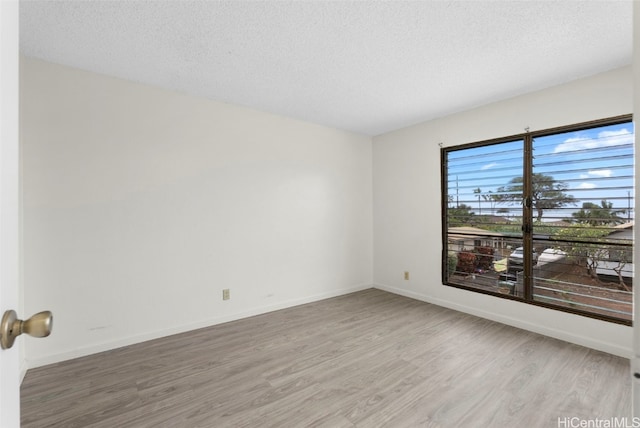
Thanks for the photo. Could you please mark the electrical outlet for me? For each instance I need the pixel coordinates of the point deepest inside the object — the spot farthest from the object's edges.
(225, 294)
(406, 275)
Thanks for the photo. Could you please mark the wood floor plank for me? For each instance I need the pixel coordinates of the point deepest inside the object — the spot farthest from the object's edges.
(367, 359)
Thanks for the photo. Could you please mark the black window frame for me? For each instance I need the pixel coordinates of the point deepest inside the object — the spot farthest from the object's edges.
(527, 221)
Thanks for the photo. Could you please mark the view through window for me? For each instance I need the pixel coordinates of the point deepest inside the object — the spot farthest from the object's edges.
(544, 217)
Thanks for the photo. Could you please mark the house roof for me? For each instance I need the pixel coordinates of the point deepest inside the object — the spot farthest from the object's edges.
(627, 225)
(468, 232)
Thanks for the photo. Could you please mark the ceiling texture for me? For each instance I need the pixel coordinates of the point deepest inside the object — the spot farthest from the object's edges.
(364, 66)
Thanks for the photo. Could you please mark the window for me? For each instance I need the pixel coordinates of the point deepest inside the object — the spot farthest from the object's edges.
(545, 217)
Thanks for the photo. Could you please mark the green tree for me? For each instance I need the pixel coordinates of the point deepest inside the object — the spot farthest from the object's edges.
(460, 216)
(546, 193)
(599, 215)
(589, 246)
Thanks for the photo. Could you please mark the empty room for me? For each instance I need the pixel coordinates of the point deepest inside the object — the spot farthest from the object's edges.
(318, 213)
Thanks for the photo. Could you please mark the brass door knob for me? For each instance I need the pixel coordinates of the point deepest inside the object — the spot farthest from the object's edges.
(39, 325)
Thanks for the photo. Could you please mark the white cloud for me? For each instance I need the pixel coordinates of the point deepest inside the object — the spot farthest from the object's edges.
(582, 176)
(488, 166)
(601, 173)
(604, 139)
(587, 186)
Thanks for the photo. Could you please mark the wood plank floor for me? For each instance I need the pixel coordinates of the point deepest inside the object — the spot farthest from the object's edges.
(368, 359)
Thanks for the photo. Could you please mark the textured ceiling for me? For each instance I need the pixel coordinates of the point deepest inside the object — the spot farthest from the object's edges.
(368, 67)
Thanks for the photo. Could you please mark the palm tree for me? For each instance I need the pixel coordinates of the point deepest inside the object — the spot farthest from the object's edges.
(492, 199)
(599, 215)
(478, 191)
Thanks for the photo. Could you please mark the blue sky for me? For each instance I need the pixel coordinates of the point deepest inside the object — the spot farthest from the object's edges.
(591, 162)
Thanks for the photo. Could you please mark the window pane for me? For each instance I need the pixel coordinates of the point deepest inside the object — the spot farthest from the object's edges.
(583, 196)
(484, 214)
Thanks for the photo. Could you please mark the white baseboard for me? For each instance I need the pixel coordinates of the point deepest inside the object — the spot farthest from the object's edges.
(107, 346)
(582, 340)
(547, 331)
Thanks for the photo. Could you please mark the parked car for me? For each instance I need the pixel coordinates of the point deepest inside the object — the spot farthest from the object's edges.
(516, 258)
(551, 255)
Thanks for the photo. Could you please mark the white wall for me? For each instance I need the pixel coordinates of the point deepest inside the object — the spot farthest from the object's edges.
(141, 205)
(11, 360)
(407, 214)
(635, 361)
